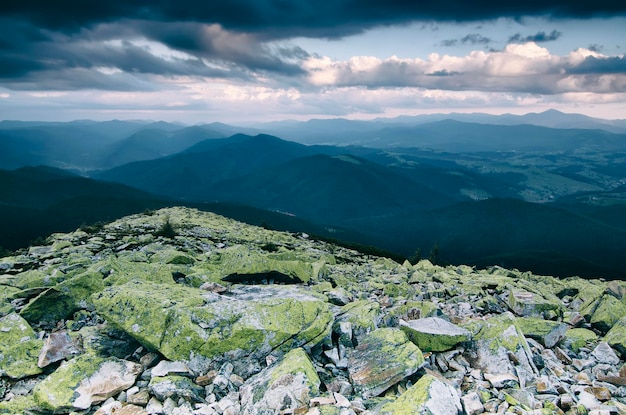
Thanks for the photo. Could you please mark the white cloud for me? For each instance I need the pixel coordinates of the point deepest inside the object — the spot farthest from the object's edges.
(526, 68)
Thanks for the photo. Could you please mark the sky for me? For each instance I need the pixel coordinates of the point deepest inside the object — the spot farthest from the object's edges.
(245, 61)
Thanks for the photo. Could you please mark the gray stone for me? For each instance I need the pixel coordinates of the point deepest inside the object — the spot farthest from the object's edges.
(603, 353)
(472, 404)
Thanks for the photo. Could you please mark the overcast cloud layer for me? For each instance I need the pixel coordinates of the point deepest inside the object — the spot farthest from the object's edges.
(203, 61)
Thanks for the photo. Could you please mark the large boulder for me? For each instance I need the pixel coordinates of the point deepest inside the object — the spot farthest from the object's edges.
(83, 381)
(494, 340)
(60, 301)
(19, 348)
(245, 328)
(546, 332)
(607, 313)
(282, 387)
(383, 358)
(363, 315)
(616, 337)
(434, 334)
(526, 303)
(242, 264)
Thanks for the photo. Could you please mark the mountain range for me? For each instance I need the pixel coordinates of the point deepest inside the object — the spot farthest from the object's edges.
(472, 189)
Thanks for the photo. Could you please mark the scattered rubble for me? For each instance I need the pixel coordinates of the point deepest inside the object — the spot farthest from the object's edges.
(223, 318)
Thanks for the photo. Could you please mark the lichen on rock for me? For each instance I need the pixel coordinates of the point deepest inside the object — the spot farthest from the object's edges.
(19, 348)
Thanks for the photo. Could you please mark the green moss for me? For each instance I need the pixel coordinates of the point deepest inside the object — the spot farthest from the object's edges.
(526, 303)
(242, 260)
(19, 347)
(403, 290)
(544, 331)
(435, 342)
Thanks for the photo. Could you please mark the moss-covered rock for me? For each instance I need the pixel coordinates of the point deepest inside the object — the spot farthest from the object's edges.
(19, 405)
(119, 270)
(7, 294)
(282, 387)
(434, 334)
(35, 278)
(494, 339)
(383, 358)
(616, 337)
(62, 300)
(429, 396)
(577, 338)
(19, 348)
(84, 380)
(364, 315)
(526, 303)
(177, 320)
(172, 256)
(546, 332)
(239, 264)
(607, 313)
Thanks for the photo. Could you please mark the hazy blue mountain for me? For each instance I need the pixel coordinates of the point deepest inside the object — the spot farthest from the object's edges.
(456, 136)
(343, 131)
(190, 174)
(330, 189)
(149, 143)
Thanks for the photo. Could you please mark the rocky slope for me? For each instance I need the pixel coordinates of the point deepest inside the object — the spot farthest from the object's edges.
(183, 312)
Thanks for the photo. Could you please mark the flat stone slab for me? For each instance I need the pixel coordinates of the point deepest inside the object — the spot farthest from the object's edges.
(434, 334)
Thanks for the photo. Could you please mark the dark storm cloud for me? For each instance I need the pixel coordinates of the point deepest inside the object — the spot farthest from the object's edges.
(538, 37)
(284, 18)
(44, 41)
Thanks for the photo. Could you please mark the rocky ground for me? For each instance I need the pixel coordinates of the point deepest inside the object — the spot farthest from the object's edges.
(183, 312)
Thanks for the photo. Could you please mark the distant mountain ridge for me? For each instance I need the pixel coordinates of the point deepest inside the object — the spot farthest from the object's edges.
(543, 199)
